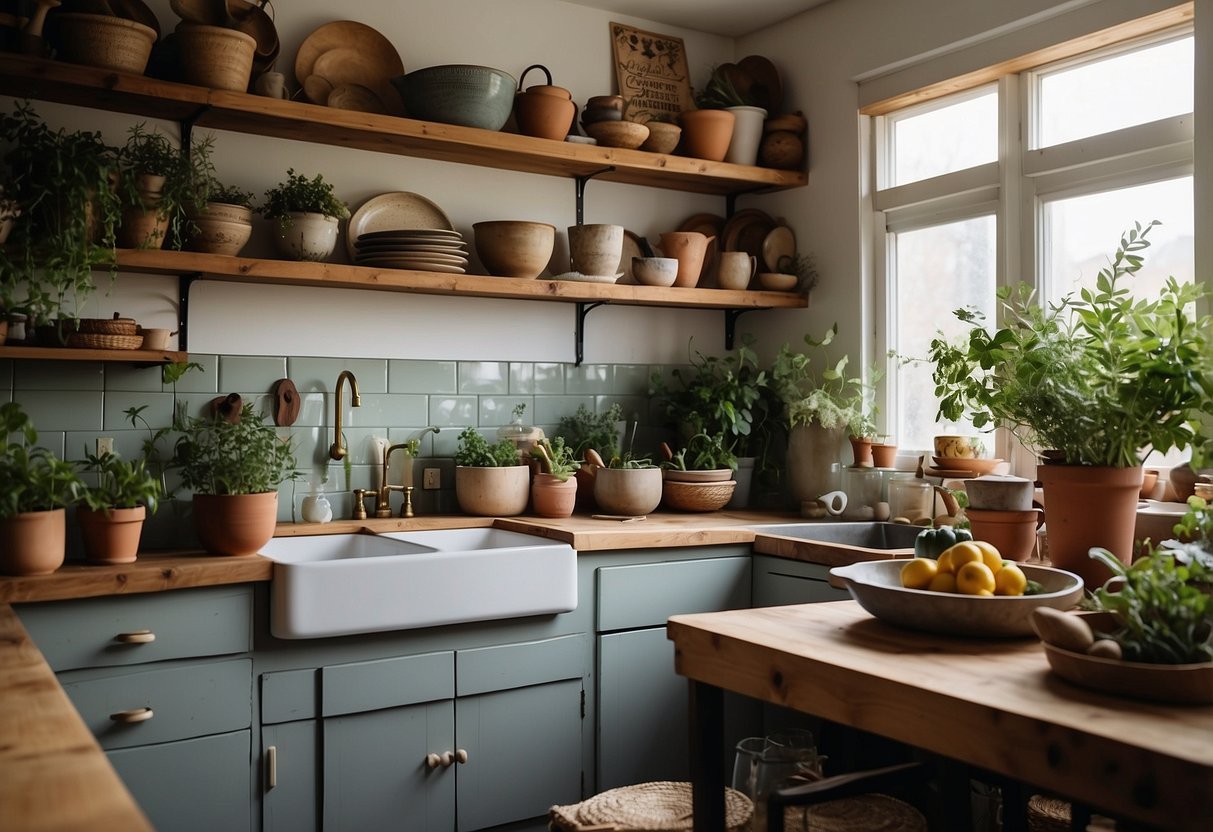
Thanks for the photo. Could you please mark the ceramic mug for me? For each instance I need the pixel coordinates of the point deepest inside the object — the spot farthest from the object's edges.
(736, 269)
(272, 85)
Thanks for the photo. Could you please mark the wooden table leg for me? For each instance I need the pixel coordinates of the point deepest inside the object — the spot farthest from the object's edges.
(707, 737)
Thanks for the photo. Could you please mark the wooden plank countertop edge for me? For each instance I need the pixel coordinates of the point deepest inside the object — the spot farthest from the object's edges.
(53, 773)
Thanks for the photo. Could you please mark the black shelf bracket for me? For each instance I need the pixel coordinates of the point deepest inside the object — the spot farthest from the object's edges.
(730, 325)
(583, 308)
(187, 128)
(184, 283)
(581, 182)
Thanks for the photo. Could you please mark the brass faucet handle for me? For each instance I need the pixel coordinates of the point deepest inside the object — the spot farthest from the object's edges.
(383, 500)
(406, 510)
(359, 504)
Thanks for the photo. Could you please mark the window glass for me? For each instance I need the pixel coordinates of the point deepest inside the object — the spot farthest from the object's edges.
(939, 269)
(1131, 88)
(945, 139)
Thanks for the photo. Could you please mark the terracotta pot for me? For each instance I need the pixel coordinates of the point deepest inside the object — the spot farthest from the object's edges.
(812, 454)
(1089, 506)
(747, 135)
(142, 227)
(544, 111)
(690, 248)
(706, 133)
(235, 524)
(33, 543)
(551, 497)
(627, 491)
(884, 455)
(113, 536)
(306, 236)
(861, 450)
(1013, 533)
(492, 492)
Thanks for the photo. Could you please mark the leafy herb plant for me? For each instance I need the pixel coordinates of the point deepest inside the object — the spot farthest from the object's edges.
(215, 456)
(587, 429)
(555, 457)
(835, 400)
(703, 452)
(32, 478)
(476, 452)
(298, 193)
(119, 483)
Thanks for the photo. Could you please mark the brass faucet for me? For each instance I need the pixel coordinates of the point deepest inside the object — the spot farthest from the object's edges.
(338, 450)
(383, 504)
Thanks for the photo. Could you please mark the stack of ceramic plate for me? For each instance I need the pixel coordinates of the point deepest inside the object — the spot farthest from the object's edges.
(419, 249)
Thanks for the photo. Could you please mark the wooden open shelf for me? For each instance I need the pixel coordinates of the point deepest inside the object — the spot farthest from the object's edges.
(66, 354)
(254, 114)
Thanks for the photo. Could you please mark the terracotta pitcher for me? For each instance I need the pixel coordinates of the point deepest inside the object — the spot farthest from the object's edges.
(689, 248)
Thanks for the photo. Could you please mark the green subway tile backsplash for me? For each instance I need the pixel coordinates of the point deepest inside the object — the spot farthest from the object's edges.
(429, 377)
(58, 375)
(484, 377)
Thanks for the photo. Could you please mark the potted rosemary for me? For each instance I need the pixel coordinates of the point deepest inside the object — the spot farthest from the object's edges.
(307, 212)
(158, 182)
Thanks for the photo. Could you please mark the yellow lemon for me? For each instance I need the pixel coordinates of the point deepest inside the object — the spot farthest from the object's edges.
(990, 555)
(1010, 580)
(943, 582)
(944, 563)
(962, 553)
(975, 578)
(917, 574)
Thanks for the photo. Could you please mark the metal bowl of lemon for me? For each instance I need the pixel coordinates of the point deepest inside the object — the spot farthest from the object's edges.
(877, 586)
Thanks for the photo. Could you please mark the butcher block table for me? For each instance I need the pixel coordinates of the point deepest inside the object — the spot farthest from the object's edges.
(988, 703)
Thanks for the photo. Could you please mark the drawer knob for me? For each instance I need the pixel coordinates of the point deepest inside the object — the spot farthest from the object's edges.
(445, 760)
(136, 637)
(133, 715)
(461, 756)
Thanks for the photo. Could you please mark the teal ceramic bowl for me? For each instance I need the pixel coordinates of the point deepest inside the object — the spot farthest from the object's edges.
(471, 96)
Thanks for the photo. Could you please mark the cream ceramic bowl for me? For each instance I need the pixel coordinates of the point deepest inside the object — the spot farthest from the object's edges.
(655, 271)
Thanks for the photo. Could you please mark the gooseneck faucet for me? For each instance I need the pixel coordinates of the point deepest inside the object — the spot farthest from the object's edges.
(338, 449)
(383, 504)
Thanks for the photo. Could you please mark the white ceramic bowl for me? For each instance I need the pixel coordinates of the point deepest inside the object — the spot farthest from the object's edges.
(777, 281)
(655, 271)
(876, 585)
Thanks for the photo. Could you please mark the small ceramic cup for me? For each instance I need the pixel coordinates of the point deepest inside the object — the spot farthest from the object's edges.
(736, 269)
(272, 85)
(958, 447)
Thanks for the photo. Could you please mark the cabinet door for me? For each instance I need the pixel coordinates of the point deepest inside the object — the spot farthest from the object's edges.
(375, 774)
(288, 775)
(200, 784)
(524, 753)
(779, 581)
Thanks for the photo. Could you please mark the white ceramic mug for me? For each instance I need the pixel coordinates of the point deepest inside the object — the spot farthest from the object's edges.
(272, 85)
(736, 269)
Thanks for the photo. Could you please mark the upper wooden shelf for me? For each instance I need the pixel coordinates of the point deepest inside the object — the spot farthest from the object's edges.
(136, 94)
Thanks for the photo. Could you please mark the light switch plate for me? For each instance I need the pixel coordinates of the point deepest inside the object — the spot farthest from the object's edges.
(431, 478)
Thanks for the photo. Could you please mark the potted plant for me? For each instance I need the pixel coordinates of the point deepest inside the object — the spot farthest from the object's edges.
(699, 477)
(35, 488)
(586, 430)
(221, 219)
(627, 486)
(307, 213)
(1095, 380)
(489, 481)
(707, 130)
(234, 467)
(554, 489)
(884, 452)
(68, 210)
(121, 497)
(727, 90)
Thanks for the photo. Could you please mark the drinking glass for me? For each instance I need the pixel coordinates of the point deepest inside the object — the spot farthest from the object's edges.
(764, 764)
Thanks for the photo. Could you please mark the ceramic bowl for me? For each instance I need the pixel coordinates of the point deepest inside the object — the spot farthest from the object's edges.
(514, 248)
(471, 96)
(663, 137)
(655, 271)
(876, 585)
(963, 447)
(777, 282)
(626, 134)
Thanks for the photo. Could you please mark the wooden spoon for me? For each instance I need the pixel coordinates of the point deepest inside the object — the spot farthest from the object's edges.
(594, 458)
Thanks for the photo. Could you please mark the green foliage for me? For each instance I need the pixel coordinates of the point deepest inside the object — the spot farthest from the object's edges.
(721, 91)
(475, 451)
(586, 429)
(1163, 616)
(218, 457)
(835, 400)
(32, 478)
(188, 177)
(298, 193)
(229, 194)
(703, 452)
(555, 457)
(120, 484)
(152, 448)
(629, 462)
(1099, 376)
(1195, 530)
(804, 266)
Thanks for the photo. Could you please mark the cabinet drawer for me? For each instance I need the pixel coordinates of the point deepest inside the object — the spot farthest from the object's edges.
(107, 632)
(779, 581)
(386, 683)
(191, 699)
(645, 595)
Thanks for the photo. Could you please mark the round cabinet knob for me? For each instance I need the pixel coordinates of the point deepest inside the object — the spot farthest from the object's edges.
(132, 716)
(136, 637)
(461, 756)
(432, 760)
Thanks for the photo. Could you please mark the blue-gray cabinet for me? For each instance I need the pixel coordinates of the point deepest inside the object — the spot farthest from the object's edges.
(781, 581)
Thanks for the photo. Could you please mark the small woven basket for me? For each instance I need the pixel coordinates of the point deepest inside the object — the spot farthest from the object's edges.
(93, 341)
(697, 496)
(107, 326)
(646, 807)
(216, 57)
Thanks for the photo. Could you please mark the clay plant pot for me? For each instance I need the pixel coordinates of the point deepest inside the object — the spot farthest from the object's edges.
(1013, 533)
(627, 491)
(544, 111)
(514, 248)
(861, 450)
(215, 56)
(111, 536)
(1089, 506)
(551, 497)
(219, 229)
(492, 492)
(306, 236)
(706, 134)
(235, 524)
(690, 248)
(142, 226)
(33, 543)
(884, 454)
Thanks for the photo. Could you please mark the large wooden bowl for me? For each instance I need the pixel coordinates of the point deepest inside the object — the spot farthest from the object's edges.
(514, 248)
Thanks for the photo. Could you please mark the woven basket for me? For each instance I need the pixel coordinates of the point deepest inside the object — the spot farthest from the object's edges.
(1048, 814)
(865, 813)
(93, 341)
(646, 807)
(697, 496)
(216, 57)
(107, 326)
(105, 41)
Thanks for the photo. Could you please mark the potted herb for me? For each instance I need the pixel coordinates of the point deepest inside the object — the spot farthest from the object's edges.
(699, 477)
(1095, 380)
(585, 431)
(627, 486)
(727, 90)
(234, 467)
(307, 212)
(158, 183)
(707, 130)
(115, 505)
(554, 489)
(489, 481)
(35, 488)
(221, 219)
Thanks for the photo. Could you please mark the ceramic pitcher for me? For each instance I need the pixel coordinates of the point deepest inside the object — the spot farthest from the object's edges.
(689, 248)
(736, 269)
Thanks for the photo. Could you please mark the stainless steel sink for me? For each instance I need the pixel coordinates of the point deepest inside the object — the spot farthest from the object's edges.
(836, 543)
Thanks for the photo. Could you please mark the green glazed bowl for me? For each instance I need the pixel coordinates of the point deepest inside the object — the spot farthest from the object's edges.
(471, 96)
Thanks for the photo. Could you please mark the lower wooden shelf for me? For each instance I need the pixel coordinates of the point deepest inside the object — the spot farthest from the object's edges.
(66, 354)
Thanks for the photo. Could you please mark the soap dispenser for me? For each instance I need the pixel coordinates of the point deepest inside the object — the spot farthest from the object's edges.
(316, 507)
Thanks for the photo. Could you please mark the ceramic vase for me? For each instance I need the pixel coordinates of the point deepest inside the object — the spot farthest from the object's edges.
(33, 542)
(307, 236)
(235, 524)
(690, 249)
(111, 536)
(706, 133)
(219, 229)
(813, 454)
(627, 492)
(747, 135)
(861, 450)
(1089, 506)
(551, 497)
(544, 111)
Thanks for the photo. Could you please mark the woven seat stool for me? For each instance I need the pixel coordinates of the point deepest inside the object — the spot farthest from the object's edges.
(645, 807)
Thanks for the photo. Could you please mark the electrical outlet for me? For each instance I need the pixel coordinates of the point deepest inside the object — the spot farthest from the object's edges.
(431, 478)
(105, 445)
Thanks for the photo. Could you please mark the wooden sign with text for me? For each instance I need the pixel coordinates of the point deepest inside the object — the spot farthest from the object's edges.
(652, 72)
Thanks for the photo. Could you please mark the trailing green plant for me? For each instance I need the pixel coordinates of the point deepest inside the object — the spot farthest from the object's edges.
(188, 177)
(119, 483)
(63, 185)
(555, 458)
(32, 478)
(703, 452)
(1099, 376)
(586, 429)
(475, 451)
(152, 448)
(298, 193)
(215, 456)
(834, 400)
(1164, 615)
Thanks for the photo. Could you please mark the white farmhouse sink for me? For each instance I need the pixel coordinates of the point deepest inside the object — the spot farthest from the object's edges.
(343, 584)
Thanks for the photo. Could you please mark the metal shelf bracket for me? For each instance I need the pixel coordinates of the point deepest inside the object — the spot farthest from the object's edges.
(581, 182)
(730, 325)
(184, 283)
(583, 309)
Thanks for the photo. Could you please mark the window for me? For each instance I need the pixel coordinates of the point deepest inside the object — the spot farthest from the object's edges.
(1032, 177)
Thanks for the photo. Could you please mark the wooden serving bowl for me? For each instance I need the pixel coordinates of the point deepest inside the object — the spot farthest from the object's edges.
(625, 134)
